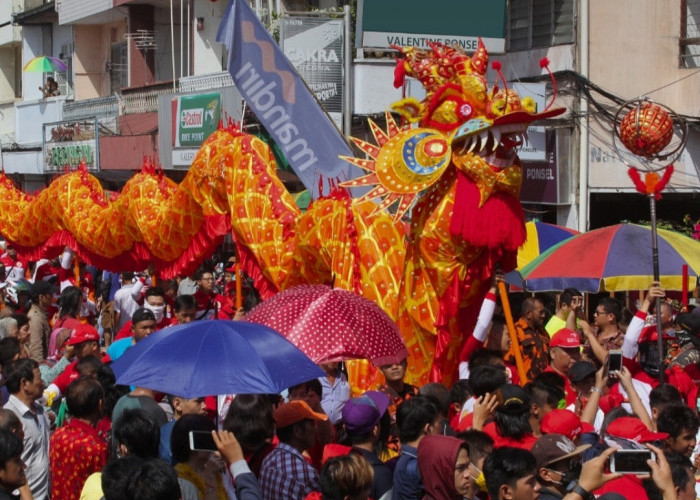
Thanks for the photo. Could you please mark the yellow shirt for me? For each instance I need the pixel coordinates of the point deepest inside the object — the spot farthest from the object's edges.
(92, 489)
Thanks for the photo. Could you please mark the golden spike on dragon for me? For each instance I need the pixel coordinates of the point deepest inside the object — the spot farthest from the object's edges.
(453, 164)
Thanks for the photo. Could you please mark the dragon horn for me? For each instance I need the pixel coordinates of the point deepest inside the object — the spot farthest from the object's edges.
(480, 59)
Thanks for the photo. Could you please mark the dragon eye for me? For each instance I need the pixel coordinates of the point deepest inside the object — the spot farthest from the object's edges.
(465, 110)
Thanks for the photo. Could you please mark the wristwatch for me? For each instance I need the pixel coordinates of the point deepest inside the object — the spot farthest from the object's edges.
(574, 487)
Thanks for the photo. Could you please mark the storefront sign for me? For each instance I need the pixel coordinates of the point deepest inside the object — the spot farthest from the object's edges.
(540, 178)
(382, 23)
(67, 144)
(314, 45)
(196, 117)
(183, 156)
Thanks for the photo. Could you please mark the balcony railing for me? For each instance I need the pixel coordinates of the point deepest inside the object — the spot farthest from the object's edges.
(142, 100)
(205, 82)
(101, 107)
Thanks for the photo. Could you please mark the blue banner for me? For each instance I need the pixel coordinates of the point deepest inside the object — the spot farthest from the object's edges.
(281, 101)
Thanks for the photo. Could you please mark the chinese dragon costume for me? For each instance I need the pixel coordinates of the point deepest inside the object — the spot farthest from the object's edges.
(451, 164)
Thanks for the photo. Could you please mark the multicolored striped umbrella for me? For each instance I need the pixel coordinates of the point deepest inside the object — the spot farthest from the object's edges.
(540, 238)
(45, 64)
(614, 258)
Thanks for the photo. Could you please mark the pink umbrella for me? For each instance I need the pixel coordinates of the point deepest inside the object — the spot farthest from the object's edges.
(328, 324)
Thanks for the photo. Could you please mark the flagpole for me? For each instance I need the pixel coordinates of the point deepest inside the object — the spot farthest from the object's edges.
(347, 77)
(657, 277)
(172, 43)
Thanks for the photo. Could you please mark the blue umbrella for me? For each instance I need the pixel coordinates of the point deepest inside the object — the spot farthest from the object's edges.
(215, 357)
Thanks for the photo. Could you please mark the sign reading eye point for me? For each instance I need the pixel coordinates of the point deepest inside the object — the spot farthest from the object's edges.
(195, 118)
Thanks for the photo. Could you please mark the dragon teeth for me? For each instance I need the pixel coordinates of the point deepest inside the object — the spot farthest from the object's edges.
(496, 137)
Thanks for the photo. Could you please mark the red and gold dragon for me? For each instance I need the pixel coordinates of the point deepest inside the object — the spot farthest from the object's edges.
(452, 165)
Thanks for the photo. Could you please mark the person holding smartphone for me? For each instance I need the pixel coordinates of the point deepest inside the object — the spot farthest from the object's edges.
(570, 306)
(627, 429)
(197, 467)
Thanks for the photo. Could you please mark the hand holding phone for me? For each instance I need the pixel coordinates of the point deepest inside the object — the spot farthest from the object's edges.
(632, 462)
(228, 446)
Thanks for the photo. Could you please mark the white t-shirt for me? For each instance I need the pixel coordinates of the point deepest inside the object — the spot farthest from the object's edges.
(125, 303)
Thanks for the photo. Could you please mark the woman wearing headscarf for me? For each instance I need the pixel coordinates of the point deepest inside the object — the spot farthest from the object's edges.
(444, 464)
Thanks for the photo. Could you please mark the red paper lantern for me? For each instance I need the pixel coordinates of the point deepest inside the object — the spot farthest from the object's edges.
(646, 130)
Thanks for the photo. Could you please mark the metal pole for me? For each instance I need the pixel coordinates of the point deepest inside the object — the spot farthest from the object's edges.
(657, 277)
(172, 42)
(584, 122)
(347, 73)
(188, 71)
(182, 27)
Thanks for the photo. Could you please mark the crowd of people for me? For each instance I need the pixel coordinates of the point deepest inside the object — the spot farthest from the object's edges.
(562, 407)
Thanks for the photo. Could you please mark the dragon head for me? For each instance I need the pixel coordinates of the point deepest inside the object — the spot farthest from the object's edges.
(460, 121)
(489, 122)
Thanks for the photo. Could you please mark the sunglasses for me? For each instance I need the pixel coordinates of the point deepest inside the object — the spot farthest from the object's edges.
(571, 464)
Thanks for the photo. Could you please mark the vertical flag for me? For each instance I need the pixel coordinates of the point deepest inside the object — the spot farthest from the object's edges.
(279, 98)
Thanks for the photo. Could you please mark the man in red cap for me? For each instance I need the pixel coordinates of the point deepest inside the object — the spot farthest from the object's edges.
(86, 342)
(285, 474)
(564, 351)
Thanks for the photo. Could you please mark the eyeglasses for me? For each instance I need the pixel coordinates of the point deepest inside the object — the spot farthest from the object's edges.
(598, 313)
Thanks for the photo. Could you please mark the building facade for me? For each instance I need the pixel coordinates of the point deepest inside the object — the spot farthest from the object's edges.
(126, 61)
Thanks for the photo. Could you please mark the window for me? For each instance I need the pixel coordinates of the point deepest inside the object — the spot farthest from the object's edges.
(118, 67)
(541, 23)
(690, 34)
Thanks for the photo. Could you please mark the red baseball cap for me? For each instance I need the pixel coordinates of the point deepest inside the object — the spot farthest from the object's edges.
(633, 429)
(564, 422)
(565, 338)
(83, 333)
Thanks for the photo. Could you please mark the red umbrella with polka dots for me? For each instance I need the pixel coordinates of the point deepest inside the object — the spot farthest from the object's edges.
(329, 324)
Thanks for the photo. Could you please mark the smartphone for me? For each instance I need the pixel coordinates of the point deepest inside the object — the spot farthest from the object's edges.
(202, 441)
(614, 361)
(631, 462)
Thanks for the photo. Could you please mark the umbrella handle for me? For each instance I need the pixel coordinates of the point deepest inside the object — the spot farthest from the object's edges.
(511, 332)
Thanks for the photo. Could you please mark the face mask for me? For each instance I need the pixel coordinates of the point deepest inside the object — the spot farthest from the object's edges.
(158, 311)
(480, 480)
(569, 476)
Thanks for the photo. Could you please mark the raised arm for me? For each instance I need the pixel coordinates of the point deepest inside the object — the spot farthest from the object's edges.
(630, 344)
